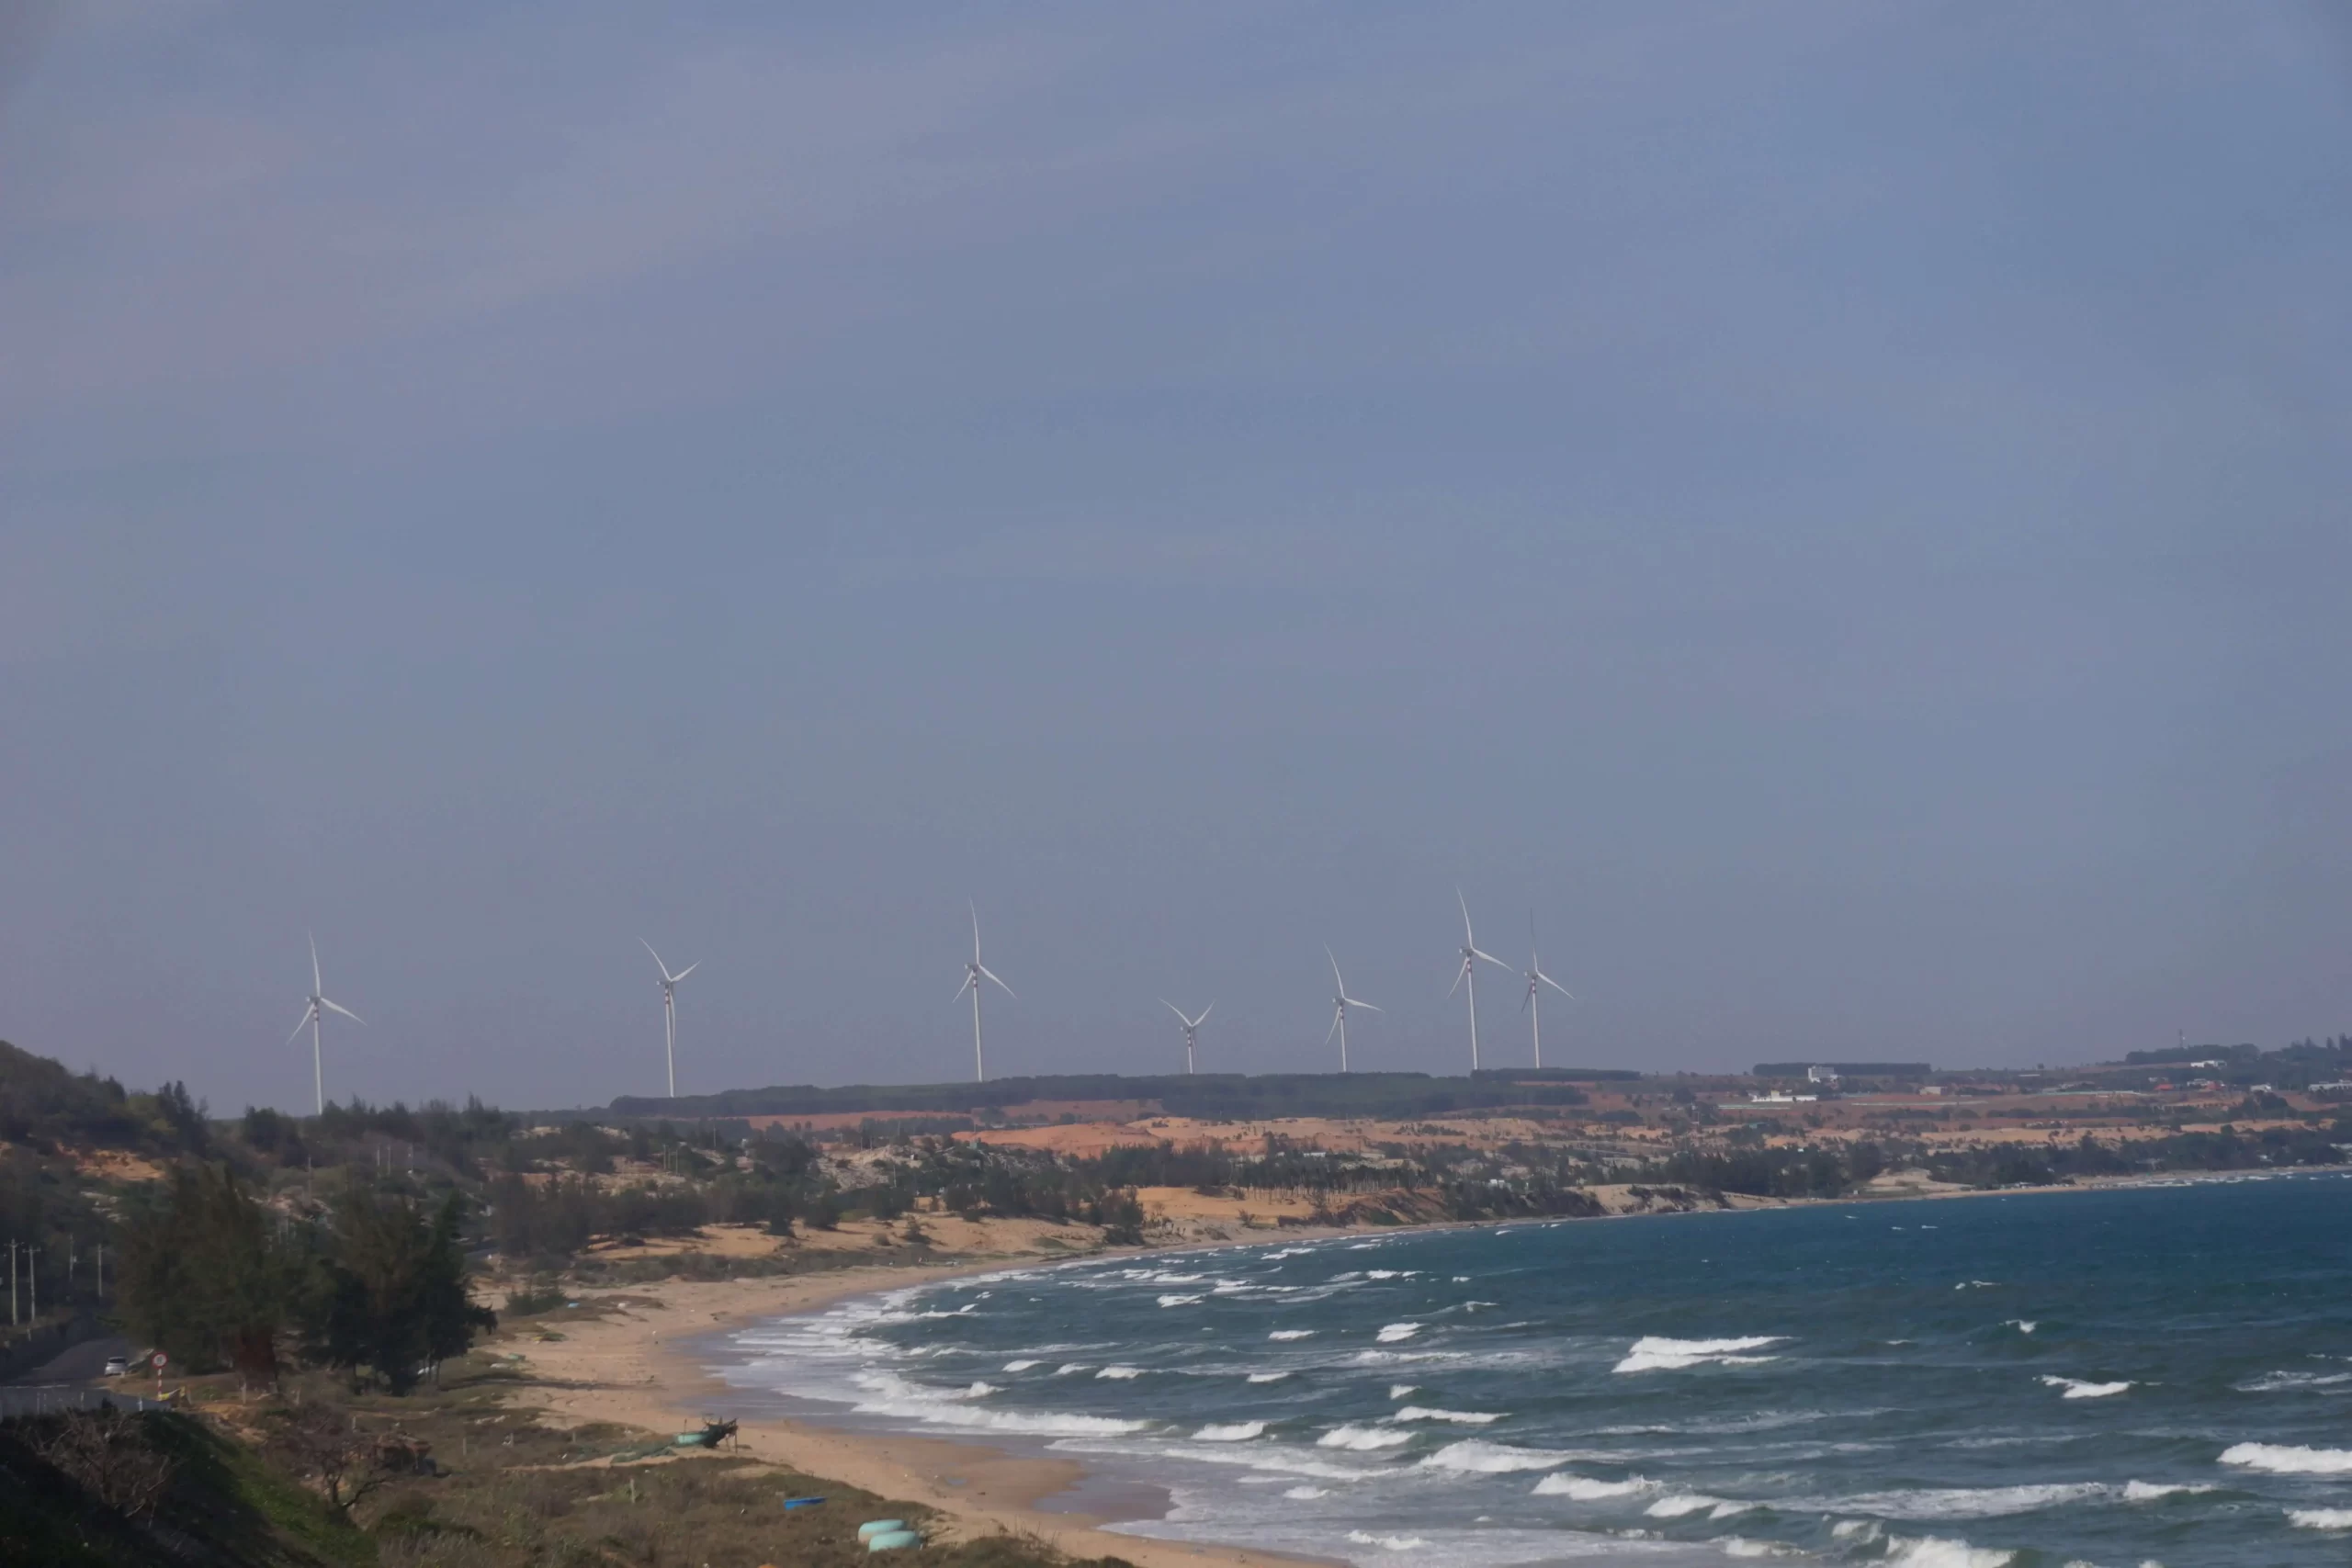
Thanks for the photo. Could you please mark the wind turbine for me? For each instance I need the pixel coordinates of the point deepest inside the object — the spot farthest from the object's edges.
(317, 1006)
(1536, 980)
(1468, 974)
(670, 1011)
(973, 972)
(1340, 1003)
(1192, 1027)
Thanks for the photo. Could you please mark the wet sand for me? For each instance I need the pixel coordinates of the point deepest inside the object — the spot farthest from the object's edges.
(640, 1368)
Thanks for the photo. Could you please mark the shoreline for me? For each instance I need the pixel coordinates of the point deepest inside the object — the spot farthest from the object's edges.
(643, 1368)
(628, 1371)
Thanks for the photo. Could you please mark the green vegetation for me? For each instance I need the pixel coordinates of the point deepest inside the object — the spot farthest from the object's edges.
(459, 1478)
(1232, 1096)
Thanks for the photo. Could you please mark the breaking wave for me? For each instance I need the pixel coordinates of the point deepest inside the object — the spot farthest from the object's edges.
(2279, 1459)
(1656, 1353)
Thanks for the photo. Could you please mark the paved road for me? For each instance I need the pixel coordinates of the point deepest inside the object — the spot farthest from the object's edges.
(78, 1366)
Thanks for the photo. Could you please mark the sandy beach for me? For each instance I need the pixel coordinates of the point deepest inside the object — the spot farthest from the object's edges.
(636, 1368)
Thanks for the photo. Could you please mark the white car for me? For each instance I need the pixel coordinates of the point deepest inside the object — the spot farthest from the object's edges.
(117, 1365)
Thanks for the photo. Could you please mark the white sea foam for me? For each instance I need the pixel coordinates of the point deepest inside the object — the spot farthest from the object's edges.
(1459, 1418)
(1657, 1353)
(1400, 1390)
(1021, 1366)
(2320, 1519)
(2289, 1383)
(1380, 1273)
(1479, 1457)
(2024, 1324)
(1267, 1376)
(2154, 1492)
(1933, 1551)
(1292, 1334)
(1387, 1542)
(1681, 1504)
(2281, 1460)
(1023, 1423)
(1926, 1502)
(1978, 1285)
(1069, 1367)
(1230, 1432)
(2077, 1389)
(1307, 1494)
(979, 1390)
(1857, 1529)
(1120, 1374)
(1181, 1301)
(1396, 1332)
(1362, 1440)
(1739, 1546)
(1589, 1489)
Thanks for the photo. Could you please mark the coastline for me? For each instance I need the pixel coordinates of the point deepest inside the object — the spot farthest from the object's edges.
(641, 1368)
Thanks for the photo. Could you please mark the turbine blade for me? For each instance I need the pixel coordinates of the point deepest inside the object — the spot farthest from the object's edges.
(1557, 986)
(999, 984)
(301, 1026)
(338, 1006)
(969, 982)
(1528, 1000)
(1366, 1006)
(1335, 969)
(1205, 1015)
(1459, 975)
(1172, 1007)
(1468, 940)
(1337, 1013)
(686, 971)
(317, 984)
(976, 928)
(1489, 958)
(657, 959)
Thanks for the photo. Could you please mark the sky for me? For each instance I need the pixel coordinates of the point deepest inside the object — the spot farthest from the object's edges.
(1831, 517)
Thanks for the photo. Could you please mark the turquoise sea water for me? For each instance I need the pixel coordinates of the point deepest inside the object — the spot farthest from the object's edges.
(2112, 1377)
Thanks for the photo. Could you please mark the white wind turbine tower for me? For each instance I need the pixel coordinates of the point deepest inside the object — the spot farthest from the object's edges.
(1468, 974)
(1340, 1003)
(1192, 1027)
(1536, 980)
(312, 1011)
(670, 1011)
(973, 972)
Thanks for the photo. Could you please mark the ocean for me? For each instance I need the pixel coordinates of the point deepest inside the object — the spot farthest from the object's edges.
(2119, 1377)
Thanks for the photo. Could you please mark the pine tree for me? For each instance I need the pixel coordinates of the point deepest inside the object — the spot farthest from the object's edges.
(206, 1276)
(395, 1301)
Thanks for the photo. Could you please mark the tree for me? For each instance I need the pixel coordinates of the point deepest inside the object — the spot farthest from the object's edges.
(206, 1275)
(395, 1301)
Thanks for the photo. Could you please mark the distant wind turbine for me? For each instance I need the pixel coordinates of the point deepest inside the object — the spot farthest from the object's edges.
(670, 1011)
(1536, 980)
(312, 1010)
(1468, 974)
(1192, 1027)
(973, 972)
(1340, 1003)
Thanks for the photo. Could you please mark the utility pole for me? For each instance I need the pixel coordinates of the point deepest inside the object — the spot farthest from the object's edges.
(12, 1282)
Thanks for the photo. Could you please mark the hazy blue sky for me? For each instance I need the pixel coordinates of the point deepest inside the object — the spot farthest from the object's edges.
(1838, 511)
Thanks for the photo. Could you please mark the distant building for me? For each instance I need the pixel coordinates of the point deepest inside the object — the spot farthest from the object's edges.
(1820, 1074)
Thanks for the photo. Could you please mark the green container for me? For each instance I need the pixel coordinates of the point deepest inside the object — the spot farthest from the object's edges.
(873, 1528)
(892, 1540)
